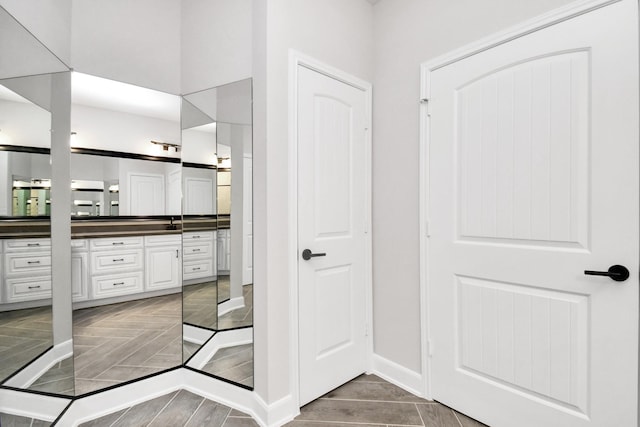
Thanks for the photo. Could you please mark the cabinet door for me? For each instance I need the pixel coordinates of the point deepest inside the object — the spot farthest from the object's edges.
(79, 288)
(163, 267)
(223, 250)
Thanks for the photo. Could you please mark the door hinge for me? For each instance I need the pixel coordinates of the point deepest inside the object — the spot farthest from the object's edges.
(427, 104)
(427, 231)
(429, 348)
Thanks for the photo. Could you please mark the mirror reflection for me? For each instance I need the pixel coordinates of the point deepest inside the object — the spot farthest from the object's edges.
(218, 337)
(126, 232)
(30, 357)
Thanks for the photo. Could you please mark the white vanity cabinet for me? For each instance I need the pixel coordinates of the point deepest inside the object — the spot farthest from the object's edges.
(116, 266)
(224, 251)
(80, 269)
(162, 262)
(199, 255)
(26, 269)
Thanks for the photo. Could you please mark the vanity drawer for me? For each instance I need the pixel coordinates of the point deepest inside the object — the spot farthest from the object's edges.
(102, 262)
(195, 236)
(197, 269)
(198, 249)
(163, 240)
(26, 244)
(116, 242)
(27, 262)
(117, 284)
(79, 245)
(27, 289)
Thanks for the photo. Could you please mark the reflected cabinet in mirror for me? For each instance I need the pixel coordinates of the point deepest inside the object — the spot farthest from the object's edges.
(126, 246)
(217, 238)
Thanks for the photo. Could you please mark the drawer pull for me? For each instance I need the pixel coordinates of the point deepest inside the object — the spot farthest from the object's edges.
(177, 254)
(195, 269)
(33, 262)
(33, 244)
(118, 260)
(118, 284)
(117, 243)
(195, 250)
(195, 237)
(34, 287)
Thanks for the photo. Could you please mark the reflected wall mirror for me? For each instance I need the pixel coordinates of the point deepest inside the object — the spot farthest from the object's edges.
(218, 229)
(32, 338)
(126, 246)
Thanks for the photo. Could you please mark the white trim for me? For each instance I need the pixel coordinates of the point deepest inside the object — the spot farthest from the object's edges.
(196, 335)
(31, 405)
(278, 413)
(41, 365)
(297, 59)
(230, 305)
(109, 401)
(553, 17)
(404, 378)
(221, 339)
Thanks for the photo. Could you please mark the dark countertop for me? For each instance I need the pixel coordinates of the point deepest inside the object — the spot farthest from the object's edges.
(96, 227)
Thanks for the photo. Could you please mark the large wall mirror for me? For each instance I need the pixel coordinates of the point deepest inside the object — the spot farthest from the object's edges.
(32, 338)
(158, 203)
(218, 232)
(126, 246)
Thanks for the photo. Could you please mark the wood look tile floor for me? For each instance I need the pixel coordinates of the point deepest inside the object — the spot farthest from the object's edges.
(8, 420)
(233, 363)
(24, 334)
(366, 401)
(241, 316)
(119, 342)
(200, 305)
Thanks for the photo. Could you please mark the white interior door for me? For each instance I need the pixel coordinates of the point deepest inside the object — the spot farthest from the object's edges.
(533, 164)
(331, 224)
(146, 194)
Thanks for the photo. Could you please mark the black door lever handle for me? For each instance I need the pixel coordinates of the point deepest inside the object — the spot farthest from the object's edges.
(619, 273)
(307, 254)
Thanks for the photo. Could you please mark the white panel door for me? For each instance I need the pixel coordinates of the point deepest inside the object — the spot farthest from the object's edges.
(146, 194)
(198, 196)
(533, 157)
(331, 218)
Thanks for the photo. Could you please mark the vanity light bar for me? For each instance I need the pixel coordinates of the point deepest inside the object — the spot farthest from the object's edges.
(166, 145)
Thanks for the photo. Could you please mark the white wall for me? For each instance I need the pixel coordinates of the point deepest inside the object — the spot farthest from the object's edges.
(216, 43)
(136, 42)
(407, 33)
(24, 124)
(111, 130)
(339, 33)
(48, 20)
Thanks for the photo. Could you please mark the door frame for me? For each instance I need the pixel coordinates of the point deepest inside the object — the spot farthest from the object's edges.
(296, 60)
(555, 16)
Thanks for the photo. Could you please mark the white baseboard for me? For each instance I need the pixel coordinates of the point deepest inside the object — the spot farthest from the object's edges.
(196, 335)
(220, 340)
(278, 413)
(31, 405)
(109, 401)
(230, 305)
(222, 392)
(404, 378)
(41, 365)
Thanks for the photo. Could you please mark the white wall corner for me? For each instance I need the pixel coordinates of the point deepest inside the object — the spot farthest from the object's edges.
(405, 378)
(278, 413)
